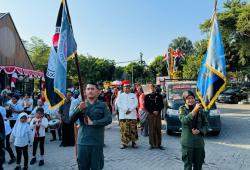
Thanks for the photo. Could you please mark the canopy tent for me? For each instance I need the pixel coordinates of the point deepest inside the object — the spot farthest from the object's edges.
(21, 71)
(116, 83)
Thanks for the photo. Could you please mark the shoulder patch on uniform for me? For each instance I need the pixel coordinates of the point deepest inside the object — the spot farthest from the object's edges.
(182, 107)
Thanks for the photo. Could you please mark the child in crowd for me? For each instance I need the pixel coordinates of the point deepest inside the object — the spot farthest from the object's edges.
(38, 125)
(7, 133)
(22, 137)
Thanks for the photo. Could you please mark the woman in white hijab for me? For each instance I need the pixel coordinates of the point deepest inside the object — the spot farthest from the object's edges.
(22, 137)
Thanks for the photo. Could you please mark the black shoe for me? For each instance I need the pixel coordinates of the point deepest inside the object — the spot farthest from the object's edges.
(17, 168)
(25, 168)
(161, 148)
(60, 138)
(12, 160)
(41, 163)
(33, 161)
(134, 145)
(123, 146)
(51, 140)
(61, 145)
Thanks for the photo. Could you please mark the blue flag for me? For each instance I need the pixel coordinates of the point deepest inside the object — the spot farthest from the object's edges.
(212, 76)
(64, 47)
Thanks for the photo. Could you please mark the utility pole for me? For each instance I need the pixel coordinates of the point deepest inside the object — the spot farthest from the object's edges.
(132, 76)
(141, 54)
(142, 63)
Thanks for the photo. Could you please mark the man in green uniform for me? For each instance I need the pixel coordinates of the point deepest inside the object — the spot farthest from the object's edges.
(93, 116)
(194, 127)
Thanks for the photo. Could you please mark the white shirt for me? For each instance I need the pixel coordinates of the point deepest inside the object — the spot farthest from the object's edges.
(126, 102)
(54, 113)
(6, 122)
(20, 101)
(27, 139)
(17, 107)
(9, 102)
(30, 102)
(46, 107)
(74, 103)
(43, 124)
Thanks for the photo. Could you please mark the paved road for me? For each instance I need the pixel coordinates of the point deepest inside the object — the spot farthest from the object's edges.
(229, 151)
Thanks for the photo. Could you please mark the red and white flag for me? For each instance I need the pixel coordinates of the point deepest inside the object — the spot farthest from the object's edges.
(165, 57)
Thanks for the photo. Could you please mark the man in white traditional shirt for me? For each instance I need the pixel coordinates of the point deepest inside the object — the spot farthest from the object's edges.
(127, 103)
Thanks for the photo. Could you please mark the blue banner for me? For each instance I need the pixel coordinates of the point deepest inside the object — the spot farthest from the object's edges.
(64, 48)
(212, 76)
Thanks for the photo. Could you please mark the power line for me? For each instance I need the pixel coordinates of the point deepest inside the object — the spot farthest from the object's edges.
(127, 61)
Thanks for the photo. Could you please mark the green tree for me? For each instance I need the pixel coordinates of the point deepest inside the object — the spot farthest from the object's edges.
(118, 74)
(193, 62)
(134, 71)
(235, 29)
(192, 67)
(39, 52)
(91, 68)
(158, 68)
(183, 44)
(200, 47)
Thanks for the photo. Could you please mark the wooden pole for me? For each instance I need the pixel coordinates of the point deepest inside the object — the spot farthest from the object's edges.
(76, 127)
(79, 77)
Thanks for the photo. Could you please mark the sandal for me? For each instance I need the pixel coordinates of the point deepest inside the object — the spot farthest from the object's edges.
(122, 146)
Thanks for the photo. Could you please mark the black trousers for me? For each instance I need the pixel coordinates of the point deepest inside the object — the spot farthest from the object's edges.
(2, 154)
(12, 123)
(8, 147)
(39, 140)
(68, 137)
(19, 152)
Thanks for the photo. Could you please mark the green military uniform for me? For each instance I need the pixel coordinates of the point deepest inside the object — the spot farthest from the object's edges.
(192, 145)
(91, 137)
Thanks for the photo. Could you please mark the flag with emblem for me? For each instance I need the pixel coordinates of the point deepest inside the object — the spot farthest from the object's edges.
(63, 48)
(212, 75)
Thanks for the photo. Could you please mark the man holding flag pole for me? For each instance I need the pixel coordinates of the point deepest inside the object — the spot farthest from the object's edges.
(92, 115)
(64, 48)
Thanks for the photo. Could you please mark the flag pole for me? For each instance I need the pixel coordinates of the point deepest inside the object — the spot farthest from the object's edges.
(215, 5)
(76, 127)
(79, 77)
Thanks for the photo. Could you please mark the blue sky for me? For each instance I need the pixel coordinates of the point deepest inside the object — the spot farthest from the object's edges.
(115, 29)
